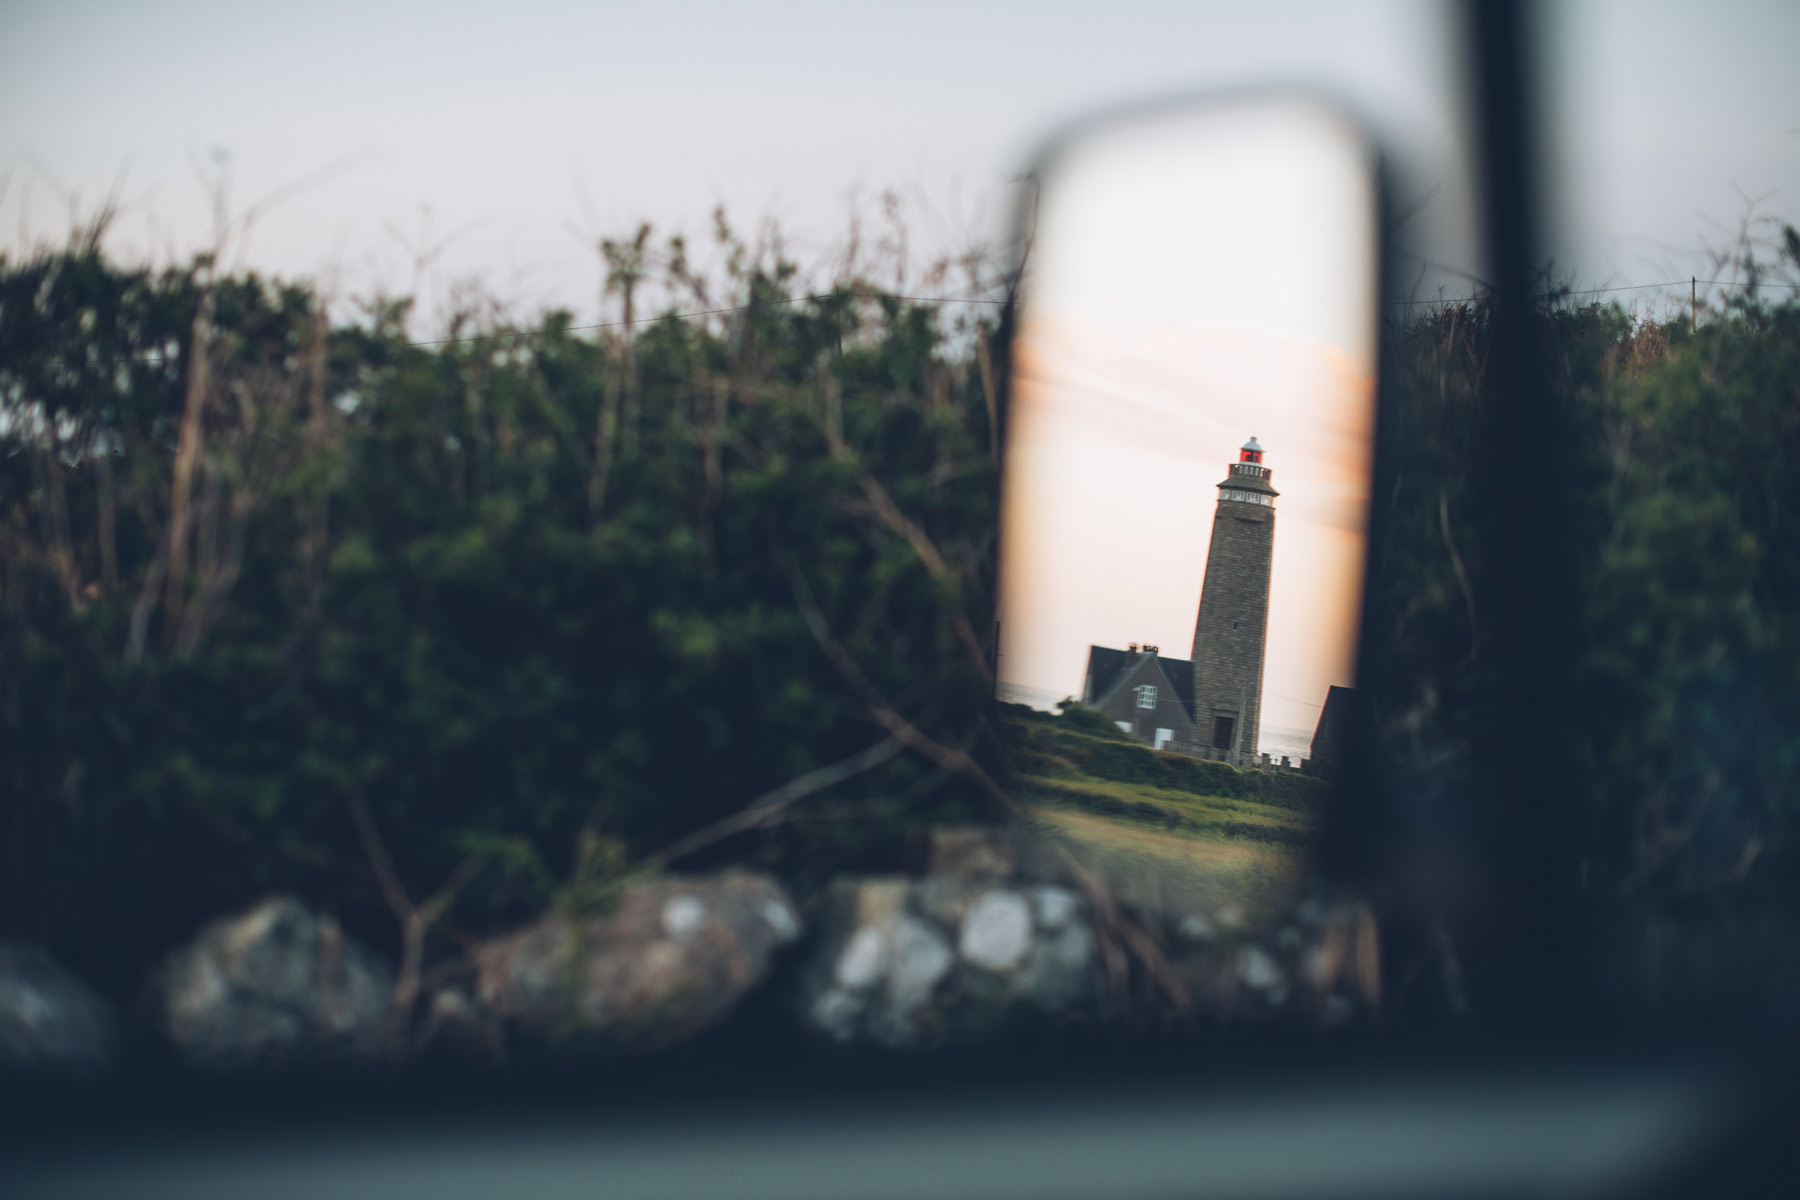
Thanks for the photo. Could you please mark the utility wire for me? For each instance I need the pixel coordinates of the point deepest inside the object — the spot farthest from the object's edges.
(709, 312)
(877, 295)
(713, 312)
(1632, 287)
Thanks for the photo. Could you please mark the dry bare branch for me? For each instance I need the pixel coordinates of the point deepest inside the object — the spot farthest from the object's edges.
(770, 805)
(1456, 562)
(187, 454)
(882, 507)
(1117, 931)
(415, 920)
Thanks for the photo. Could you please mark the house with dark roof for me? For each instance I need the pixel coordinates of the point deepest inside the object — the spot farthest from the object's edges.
(1145, 694)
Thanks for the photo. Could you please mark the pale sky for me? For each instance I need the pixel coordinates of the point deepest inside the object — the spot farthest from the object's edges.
(1666, 123)
(1157, 335)
(492, 128)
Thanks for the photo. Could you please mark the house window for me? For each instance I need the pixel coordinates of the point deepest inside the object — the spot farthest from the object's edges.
(1223, 728)
(1164, 737)
(1146, 695)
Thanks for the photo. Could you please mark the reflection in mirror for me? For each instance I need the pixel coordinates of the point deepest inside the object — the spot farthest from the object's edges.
(1186, 490)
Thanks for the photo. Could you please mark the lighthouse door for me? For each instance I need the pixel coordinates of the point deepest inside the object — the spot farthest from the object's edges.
(1222, 732)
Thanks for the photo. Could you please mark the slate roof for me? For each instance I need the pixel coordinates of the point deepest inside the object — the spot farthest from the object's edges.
(1107, 666)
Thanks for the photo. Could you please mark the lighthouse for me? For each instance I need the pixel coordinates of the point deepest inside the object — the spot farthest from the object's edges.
(1232, 629)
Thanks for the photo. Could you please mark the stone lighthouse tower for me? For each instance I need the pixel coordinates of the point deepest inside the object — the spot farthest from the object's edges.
(1232, 628)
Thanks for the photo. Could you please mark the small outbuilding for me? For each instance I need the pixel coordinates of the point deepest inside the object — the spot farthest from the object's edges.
(1331, 737)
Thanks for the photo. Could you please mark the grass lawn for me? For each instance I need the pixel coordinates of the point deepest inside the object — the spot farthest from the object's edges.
(1159, 845)
(1179, 873)
(1170, 809)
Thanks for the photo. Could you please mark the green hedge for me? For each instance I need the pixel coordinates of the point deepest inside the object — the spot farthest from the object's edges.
(539, 603)
(1162, 816)
(1117, 758)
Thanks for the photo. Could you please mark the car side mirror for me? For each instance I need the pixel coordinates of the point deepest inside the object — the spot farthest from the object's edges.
(1187, 472)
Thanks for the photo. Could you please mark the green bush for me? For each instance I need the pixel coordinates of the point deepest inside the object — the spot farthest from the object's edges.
(1093, 745)
(545, 601)
(1166, 816)
(518, 593)
(1684, 488)
(1091, 722)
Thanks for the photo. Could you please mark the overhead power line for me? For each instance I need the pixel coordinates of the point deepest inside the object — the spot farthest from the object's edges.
(1630, 287)
(708, 312)
(878, 295)
(736, 308)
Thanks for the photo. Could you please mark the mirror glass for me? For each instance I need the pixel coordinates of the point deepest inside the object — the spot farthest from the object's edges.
(1186, 486)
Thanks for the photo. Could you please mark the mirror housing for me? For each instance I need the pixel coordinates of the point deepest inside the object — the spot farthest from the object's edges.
(1198, 313)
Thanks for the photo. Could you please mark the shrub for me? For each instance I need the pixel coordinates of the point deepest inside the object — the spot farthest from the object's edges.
(1079, 718)
(511, 595)
(1077, 738)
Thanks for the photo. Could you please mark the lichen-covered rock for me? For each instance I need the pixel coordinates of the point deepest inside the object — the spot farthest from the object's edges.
(673, 957)
(1321, 965)
(49, 1020)
(910, 962)
(1260, 972)
(996, 931)
(277, 985)
(455, 1025)
(1196, 927)
(972, 852)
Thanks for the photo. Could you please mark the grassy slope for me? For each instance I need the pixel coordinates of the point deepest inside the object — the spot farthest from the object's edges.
(1178, 873)
(1160, 844)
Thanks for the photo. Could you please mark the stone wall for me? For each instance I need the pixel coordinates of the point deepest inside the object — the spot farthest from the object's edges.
(996, 938)
(1258, 762)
